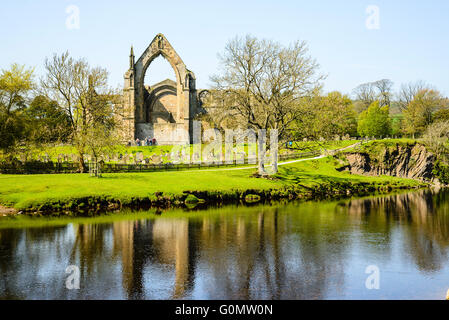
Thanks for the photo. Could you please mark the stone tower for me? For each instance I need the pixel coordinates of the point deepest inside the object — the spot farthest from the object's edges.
(165, 110)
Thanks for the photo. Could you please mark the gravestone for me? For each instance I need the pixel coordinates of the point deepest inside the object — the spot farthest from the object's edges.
(156, 159)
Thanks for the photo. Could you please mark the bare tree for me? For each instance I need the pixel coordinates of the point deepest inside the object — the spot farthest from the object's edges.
(83, 94)
(384, 94)
(408, 91)
(436, 137)
(365, 94)
(262, 82)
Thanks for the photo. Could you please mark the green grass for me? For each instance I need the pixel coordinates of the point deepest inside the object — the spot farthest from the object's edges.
(310, 146)
(149, 151)
(26, 191)
(378, 146)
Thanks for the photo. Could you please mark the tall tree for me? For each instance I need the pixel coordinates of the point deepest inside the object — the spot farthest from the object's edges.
(420, 112)
(408, 91)
(15, 84)
(47, 121)
(83, 94)
(365, 94)
(325, 117)
(384, 91)
(436, 136)
(262, 83)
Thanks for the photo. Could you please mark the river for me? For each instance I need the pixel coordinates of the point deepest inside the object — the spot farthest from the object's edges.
(380, 247)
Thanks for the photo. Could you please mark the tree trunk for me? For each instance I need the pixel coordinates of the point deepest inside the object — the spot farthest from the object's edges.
(81, 163)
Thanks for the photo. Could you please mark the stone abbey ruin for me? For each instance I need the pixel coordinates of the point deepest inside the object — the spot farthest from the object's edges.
(165, 110)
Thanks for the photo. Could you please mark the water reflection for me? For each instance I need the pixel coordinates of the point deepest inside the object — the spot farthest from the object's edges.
(316, 250)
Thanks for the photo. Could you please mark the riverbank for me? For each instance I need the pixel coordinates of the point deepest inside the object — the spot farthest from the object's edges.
(81, 194)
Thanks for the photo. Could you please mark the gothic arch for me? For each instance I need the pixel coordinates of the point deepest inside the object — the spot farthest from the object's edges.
(160, 46)
(137, 122)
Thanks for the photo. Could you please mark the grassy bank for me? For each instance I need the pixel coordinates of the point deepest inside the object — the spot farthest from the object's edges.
(79, 192)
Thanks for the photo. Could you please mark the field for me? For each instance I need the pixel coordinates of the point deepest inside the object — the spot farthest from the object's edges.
(148, 151)
(25, 191)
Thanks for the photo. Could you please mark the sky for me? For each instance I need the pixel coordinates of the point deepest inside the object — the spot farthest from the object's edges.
(354, 41)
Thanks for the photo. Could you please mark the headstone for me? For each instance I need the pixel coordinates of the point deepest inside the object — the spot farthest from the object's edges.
(156, 159)
(196, 157)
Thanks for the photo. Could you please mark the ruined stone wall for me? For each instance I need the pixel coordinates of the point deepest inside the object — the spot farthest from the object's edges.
(160, 112)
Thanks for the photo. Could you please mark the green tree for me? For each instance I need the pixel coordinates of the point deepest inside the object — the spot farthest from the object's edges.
(262, 83)
(374, 121)
(420, 112)
(47, 121)
(82, 93)
(325, 117)
(397, 125)
(15, 84)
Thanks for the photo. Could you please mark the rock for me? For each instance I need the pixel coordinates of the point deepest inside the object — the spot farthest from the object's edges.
(410, 161)
(252, 198)
(7, 211)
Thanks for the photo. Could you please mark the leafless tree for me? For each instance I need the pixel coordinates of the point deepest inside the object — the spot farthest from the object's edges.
(436, 137)
(83, 93)
(365, 94)
(262, 82)
(384, 87)
(408, 91)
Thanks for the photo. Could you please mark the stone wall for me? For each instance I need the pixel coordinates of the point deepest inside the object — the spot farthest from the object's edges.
(164, 133)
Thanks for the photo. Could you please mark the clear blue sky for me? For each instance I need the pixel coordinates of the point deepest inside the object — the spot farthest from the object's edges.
(411, 44)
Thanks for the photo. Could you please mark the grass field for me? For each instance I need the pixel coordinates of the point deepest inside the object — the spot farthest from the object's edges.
(25, 191)
(149, 151)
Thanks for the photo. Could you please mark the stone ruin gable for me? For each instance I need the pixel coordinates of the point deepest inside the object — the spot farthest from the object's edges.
(138, 121)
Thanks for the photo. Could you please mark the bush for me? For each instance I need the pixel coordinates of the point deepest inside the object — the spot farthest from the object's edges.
(441, 171)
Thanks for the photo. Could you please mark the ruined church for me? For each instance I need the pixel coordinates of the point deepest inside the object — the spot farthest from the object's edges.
(165, 110)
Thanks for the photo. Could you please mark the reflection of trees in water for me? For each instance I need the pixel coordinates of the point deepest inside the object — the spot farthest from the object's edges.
(287, 252)
(271, 254)
(424, 219)
(30, 262)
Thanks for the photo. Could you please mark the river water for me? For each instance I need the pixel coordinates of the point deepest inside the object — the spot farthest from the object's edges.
(386, 247)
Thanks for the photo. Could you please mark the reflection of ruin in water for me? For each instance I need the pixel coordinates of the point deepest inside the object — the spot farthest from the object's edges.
(298, 251)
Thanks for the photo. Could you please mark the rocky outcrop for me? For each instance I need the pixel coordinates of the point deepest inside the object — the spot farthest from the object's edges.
(405, 161)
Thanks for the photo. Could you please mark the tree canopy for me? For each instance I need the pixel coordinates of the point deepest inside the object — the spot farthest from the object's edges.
(375, 121)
